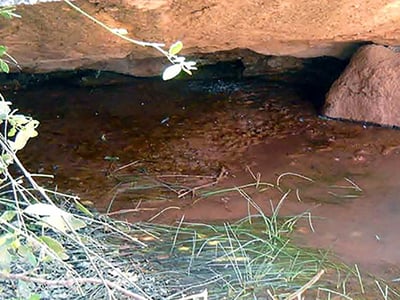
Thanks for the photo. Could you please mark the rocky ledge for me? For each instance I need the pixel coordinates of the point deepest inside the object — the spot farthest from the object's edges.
(52, 36)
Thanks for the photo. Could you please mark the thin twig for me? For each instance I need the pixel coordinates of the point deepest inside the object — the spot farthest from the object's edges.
(162, 211)
(200, 296)
(305, 287)
(291, 174)
(71, 283)
(126, 166)
(357, 187)
(359, 279)
(156, 46)
(184, 176)
(127, 211)
(192, 191)
(298, 195)
(343, 196)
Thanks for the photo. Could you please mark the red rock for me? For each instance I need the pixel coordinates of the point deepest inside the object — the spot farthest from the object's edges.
(53, 37)
(369, 88)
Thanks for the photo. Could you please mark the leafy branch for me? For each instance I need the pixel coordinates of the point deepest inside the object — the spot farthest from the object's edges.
(8, 12)
(179, 63)
(8, 60)
(39, 240)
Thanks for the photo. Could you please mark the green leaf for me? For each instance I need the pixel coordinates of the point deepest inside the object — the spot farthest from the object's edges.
(20, 140)
(76, 223)
(7, 216)
(24, 289)
(15, 244)
(43, 209)
(55, 246)
(5, 259)
(4, 109)
(27, 254)
(6, 240)
(187, 71)
(54, 217)
(18, 119)
(31, 128)
(175, 48)
(34, 297)
(4, 66)
(63, 223)
(111, 158)
(171, 72)
(3, 50)
(5, 14)
(8, 12)
(83, 209)
(6, 159)
(22, 137)
(56, 222)
(12, 132)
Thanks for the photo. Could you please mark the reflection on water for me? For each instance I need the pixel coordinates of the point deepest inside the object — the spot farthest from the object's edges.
(138, 147)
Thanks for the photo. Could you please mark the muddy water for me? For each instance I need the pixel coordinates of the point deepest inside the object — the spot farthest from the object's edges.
(150, 150)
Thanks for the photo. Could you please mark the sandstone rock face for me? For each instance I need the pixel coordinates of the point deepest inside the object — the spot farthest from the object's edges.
(52, 36)
(369, 88)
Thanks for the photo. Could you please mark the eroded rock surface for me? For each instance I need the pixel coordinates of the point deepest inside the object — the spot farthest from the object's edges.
(52, 36)
(369, 88)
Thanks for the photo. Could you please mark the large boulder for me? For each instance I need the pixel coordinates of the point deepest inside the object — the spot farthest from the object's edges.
(369, 88)
(52, 36)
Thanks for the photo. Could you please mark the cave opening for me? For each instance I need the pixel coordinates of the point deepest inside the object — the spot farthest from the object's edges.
(135, 147)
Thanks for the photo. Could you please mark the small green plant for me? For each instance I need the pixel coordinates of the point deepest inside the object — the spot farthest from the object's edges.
(8, 12)
(3, 65)
(179, 63)
(35, 233)
(19, 246)
(5, 58)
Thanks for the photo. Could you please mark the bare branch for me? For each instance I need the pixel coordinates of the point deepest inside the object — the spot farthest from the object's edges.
(72, 282)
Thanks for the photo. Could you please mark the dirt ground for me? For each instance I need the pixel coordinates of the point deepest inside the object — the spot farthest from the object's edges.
(152, 151)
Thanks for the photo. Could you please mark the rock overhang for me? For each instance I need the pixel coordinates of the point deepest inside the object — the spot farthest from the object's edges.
(52, 36)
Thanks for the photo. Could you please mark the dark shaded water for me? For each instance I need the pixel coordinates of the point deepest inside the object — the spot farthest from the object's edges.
(148, 150)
